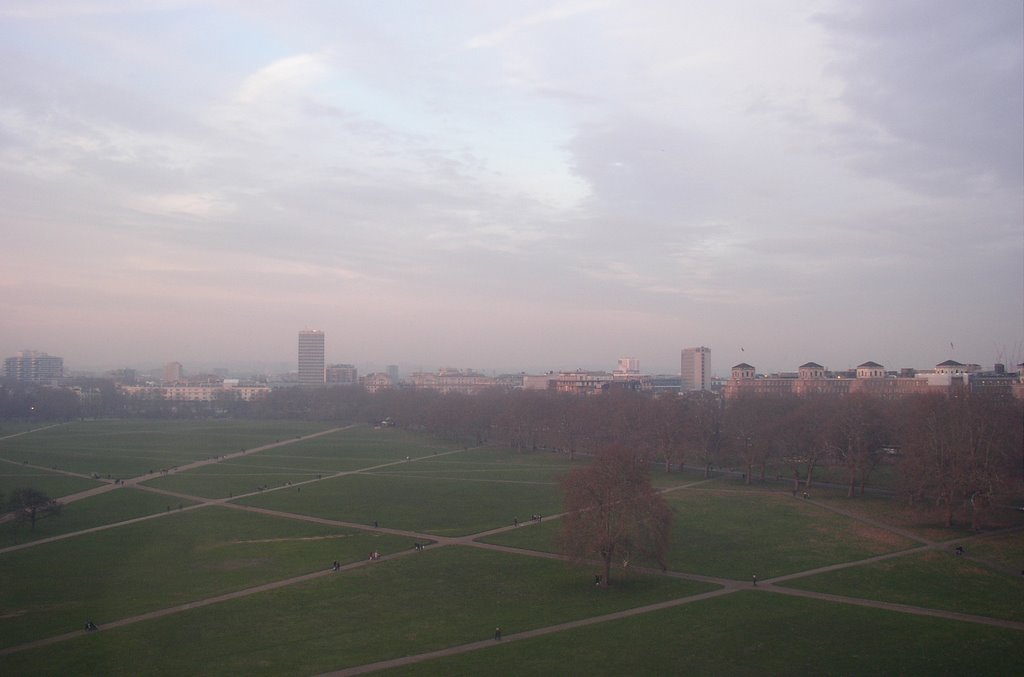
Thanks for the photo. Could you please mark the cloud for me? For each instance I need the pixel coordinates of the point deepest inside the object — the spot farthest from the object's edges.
(937, 91)
(282, 78)
(559, 12)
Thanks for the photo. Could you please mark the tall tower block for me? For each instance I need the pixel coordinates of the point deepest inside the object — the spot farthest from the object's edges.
(696, 369)
(311, 357)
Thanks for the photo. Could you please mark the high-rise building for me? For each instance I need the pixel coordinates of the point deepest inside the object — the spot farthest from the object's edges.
(695, 371)
(628, 365)
(311, 357)
(32, 365)
(393, 373)
(173, 372)
(341, 375)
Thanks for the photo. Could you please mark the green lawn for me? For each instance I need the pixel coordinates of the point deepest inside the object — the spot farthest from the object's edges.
(424, 601)
(451, 595)
(52, 484)
(184, 556)
(937, 580)
(1005, 551)
(751, 634)
(131, 447)
(113, 506)
(736, 534)
(8, 428)
(223, 480)
(445, 507)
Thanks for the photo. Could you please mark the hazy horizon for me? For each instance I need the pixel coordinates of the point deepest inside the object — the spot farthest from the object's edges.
(523, 186)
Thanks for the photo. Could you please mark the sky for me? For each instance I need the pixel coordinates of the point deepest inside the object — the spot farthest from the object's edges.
(513, 186)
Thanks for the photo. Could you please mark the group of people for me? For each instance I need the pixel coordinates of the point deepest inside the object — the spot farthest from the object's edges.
(536, 517)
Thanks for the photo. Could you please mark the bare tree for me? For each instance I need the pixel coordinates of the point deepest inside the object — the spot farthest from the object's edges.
(747, 422)
(704, 415)
(801, 435)
(858, 433)
(664, 425)
(960, 451)
(613, 511)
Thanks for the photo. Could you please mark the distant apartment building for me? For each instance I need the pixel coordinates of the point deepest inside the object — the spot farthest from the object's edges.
(311, 358)
(341, 375)
(229, 389)
(376, 381)
(173, 372)
(392, 371)
(449, 380)
(872, 378)
(584, 382)
(33, 365)
(626, 369)
(695, 369)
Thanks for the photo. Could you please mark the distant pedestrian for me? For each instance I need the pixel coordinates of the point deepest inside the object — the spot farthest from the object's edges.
(806, 496)
(497, 634)
(754, 577)
(597, 579)
(515, 521)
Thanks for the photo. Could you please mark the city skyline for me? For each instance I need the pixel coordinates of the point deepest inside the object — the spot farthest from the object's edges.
(514, 187)
(695, 367)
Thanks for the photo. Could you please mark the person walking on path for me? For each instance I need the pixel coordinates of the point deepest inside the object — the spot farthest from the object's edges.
(754, 578)
(497, 634)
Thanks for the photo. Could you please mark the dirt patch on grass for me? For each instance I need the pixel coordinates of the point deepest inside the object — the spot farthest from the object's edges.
(883, 539)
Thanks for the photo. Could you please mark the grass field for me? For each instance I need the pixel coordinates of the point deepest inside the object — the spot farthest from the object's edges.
(108, 508)
(751, 634)
(456, 592)
(424, 601)
(131, 448)
(149, 565)
(13, 476)
(931, 579)
(443, 507)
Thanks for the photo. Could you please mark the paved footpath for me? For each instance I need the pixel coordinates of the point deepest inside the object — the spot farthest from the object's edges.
(727, 586)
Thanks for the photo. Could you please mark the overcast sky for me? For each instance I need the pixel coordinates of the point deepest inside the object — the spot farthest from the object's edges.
(515, 185)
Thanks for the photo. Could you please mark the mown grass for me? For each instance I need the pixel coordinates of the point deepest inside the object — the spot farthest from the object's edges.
(452, 595)
(733, 534)
(736, 535)
(8, 428)
(111, 507)
(347, 450)
(224, 480)
(752, 634)
(52, 484)
(445, 506)
(184, 556)
(937, 580)
(1005, 551)
(130, 448)
(423, 601)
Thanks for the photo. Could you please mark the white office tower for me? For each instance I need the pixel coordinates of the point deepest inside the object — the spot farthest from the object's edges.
(696, 369)
(311, 357)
